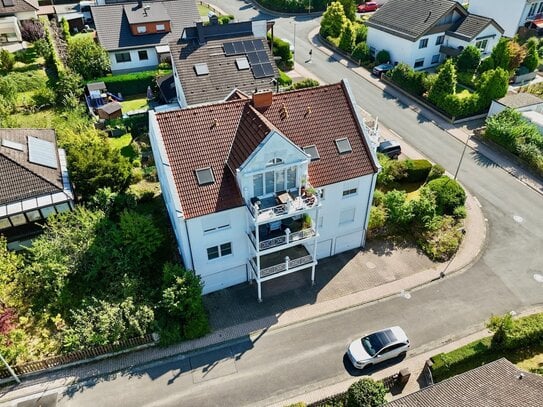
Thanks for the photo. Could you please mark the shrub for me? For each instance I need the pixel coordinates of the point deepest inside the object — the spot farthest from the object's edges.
(424, 208)
(366, 392)
(361, 52)
(225, 19)
(378, 197)
(445, 83)
(361, 33)
(512, 333)
(87, 58)
(449, 194)
(493, 84)
(442, 238)
(460, 212)
(436, 172)
(417, 170)
(378, 217)
(305, 83)
(32, 30)
(460, 104)
(68, 88)
(407, 78)
(346, 40)
(469, 59)
(130, 83)
(65, 27)
(42, 49)
(398, 209)
(392, 170)
(7, 60)
(284, 79)
(282, 49)
(501, 54)
(531, 61)
(382, 57)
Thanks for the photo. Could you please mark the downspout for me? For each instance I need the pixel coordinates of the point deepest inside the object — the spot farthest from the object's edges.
(368, 208)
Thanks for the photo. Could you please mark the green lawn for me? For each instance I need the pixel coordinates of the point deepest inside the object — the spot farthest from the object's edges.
(40, 120)
(411, 188)
(203, 10)
(135, 102)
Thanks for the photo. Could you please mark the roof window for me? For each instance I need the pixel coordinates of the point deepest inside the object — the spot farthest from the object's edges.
(242, 63)
(201, 69)
(205, 176)
(343, 145)
(312, 152)
(12, 144)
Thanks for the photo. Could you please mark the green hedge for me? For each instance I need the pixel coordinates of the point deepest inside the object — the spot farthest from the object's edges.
(293, 6)
(418, 170)
(130, 83)
(408, 79)
(517, 333)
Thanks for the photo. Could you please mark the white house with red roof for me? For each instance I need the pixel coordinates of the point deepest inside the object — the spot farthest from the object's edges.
(261, 186)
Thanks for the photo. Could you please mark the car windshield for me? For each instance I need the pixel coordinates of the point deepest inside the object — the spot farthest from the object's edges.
(375, 342)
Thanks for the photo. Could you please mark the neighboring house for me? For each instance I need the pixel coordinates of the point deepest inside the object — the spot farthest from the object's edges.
(238, 177)
(423, 33)
(213, 60)
(136, 34)
(12, 12)
(523, 102)
(497, 384)
(34, 182)
(510, 14)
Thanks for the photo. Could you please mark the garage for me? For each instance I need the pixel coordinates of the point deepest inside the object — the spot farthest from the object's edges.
(348, 242)
(223, 279)
(324, 249)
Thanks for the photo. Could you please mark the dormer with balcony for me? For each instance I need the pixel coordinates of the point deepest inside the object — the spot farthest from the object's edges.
(145, 19)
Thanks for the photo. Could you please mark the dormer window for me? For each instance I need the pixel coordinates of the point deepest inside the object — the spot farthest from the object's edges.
(142, 29)
(275, 161)
(160, 27)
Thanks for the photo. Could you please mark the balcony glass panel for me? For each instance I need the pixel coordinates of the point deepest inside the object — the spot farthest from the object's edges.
(270, 182)
(258, 185)
(291, 178)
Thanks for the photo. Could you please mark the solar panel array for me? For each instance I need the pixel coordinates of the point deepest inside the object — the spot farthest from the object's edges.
(42, 152)
(256, 54)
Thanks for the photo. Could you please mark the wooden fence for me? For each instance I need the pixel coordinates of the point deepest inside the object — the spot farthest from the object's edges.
(77, 357)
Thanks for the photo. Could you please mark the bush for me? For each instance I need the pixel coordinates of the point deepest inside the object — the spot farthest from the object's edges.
(399, 211)
(130, 83)
(65, 27)
(32, 30)
(469, 59)
(68, 88)
(367, 393)
(282, 49)
(493, 84)
(87, 58)
(417, 170)
(436, 172)
(445, 83)
(449, 194)
(284, 79)
(346, 39)
(442, 238)
(225, 19)
(305, 83)
(378, 217)
(460, 212)
(361, 33)
(7, 60)
(531, 61)
(462, 104)
(378, 197)
(392, 170)
(382, 57)
(361, 52)
(518, 333)
(424, 208)
(408, 79)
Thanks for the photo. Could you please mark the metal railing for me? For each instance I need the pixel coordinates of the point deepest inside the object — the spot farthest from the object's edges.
(287, 265)
(291, 206)
(283, 239)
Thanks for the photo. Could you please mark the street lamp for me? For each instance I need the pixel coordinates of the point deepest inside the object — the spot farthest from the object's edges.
(10, 370)
(462, 156)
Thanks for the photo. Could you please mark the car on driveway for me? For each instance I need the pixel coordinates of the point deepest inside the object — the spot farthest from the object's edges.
(382, 69)
(390, 148)
(368, 7)
(378, 346)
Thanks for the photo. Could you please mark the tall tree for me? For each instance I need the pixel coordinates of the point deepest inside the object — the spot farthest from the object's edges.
(333, 20)
(493, 85)
(469, 59)
(87, 58)
(531, 61)
(501, 54)
(518, 53)
(346, 41)
(445, 83)
(349, 8)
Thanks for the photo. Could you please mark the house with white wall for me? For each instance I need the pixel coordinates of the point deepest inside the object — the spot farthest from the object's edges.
(509, 14)
(265, 185)
(422, 33)
(136, 34)
(12, 13)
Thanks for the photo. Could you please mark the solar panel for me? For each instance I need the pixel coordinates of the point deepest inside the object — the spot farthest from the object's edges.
(258, 45)
(253, 58)
(242, 63)
(249, 46)
(228, 48)
(205, 176)
(239, 48)
(268, 69)
(258, 71)
(12, 144)
(201, 69)
(262, 56)
(42, 152)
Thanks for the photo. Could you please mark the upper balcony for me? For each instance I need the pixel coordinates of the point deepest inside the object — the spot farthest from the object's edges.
(282, 204)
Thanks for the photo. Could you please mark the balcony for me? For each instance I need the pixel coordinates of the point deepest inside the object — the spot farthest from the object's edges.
(290, 231)
(282, 204)
(282, 262)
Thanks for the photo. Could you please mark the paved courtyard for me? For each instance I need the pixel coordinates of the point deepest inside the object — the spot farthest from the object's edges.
(346, 273)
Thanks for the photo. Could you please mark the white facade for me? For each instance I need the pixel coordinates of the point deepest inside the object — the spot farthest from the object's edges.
(510, 14)
(486, 40)
(9, 30)
(139, 59)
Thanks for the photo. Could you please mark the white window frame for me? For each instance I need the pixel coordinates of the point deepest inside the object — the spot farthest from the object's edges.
(482, 44)
(347, 193)
(160, 27)
(117, 54)
(220, 250)
(423, 43)
(141, 29)
(347, 215)
(417, 61)
(440, 39)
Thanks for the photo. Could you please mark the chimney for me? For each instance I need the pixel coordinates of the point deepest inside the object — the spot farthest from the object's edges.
(262, 99)
(200, 31)
(140, 3)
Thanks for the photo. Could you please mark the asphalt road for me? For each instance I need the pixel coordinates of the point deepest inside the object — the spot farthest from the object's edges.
(284, 362)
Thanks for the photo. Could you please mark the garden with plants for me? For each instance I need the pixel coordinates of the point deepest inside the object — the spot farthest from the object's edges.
(415, 202)
(105, 272)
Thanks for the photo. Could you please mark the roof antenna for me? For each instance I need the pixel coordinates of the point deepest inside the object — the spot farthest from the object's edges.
(427, 18)
(146, 9)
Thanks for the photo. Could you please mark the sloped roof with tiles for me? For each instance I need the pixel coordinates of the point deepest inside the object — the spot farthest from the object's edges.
(17, 6)
(496, 384)
(223, 134)
(22, 179)
(472, 25)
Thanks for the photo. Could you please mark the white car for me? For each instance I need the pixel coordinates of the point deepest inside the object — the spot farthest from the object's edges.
(378, 347)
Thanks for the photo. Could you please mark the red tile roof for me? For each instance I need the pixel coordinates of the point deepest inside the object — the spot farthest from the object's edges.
(227, 132)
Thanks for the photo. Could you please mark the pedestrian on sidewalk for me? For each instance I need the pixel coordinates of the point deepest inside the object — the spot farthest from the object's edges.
(310, 54)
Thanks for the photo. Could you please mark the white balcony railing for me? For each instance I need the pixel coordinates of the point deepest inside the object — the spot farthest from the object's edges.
(291, 206)
(285, 239)
(287, 265)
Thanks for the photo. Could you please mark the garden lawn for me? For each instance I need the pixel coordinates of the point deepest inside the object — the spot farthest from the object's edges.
(135, 102)
(412, 189)
(120, 142)
(42, 119)
(203, 10)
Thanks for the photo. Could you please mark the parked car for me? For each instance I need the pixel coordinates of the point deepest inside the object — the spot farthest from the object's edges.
(378, 347)
(390, 148)
(382, 69)
(368, 7)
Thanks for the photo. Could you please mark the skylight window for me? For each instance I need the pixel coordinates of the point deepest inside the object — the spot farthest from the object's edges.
(201, 69)
(42, 152)
(205, 176)
(12, 144)
(242, 63)
(312, 152)
(343, 145)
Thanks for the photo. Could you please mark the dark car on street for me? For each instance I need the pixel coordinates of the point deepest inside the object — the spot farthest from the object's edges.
(382, 69)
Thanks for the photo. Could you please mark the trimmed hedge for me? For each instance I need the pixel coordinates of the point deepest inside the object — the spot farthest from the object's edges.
(418, 170)
(293, 6)
(408, 79)
(130, 83)
(517, 333)
(449, 194)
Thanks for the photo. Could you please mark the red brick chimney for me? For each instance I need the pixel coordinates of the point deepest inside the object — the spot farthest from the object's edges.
(262, 99)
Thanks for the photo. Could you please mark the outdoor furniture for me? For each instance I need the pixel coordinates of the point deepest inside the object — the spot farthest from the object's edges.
(282, 197)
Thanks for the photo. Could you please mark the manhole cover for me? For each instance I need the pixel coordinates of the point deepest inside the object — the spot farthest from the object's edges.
(370, 265)
(405, 294)
(518, 219)
(538, 278)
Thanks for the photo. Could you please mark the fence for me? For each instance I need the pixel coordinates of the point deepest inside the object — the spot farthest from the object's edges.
(79, 357)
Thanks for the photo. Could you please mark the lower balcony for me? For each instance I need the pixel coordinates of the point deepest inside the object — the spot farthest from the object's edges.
(282, 262)
(282, 233)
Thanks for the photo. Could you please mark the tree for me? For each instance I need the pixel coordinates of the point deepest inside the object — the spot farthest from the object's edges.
(346, 40)
(445, 83)
(501, 54)
(361, 31)
(7, 60)
(366, 393)
(449, 194)
(361, 52)
(469, 59)
(349, 8)
(382, 57)
(493, 84)
(531, 61)
(398, 209)
(68, 88)
(87, 58)
(333, 20)
(517, 53)
(32, 30)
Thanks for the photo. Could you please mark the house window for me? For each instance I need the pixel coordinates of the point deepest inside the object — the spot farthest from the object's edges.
(47, 211)
(423, 43)
(122, 57)
(349, 192)
(160, 27)
(274, 181)
(142, 29)
(440, 39)
(221, 250)
(419, 63)
(346, 216)
(258, 186)
(142, 55)
(532, 10)
(481, 45)
(33, 216)
(435, 59)
(18, 219)
(291, 177)
(372, 52)
(4, 223)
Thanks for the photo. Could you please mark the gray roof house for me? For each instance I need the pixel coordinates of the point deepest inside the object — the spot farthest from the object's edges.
(34, 182)
(212, 61)
(136, 34)
(496, 384)
(422, 33)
